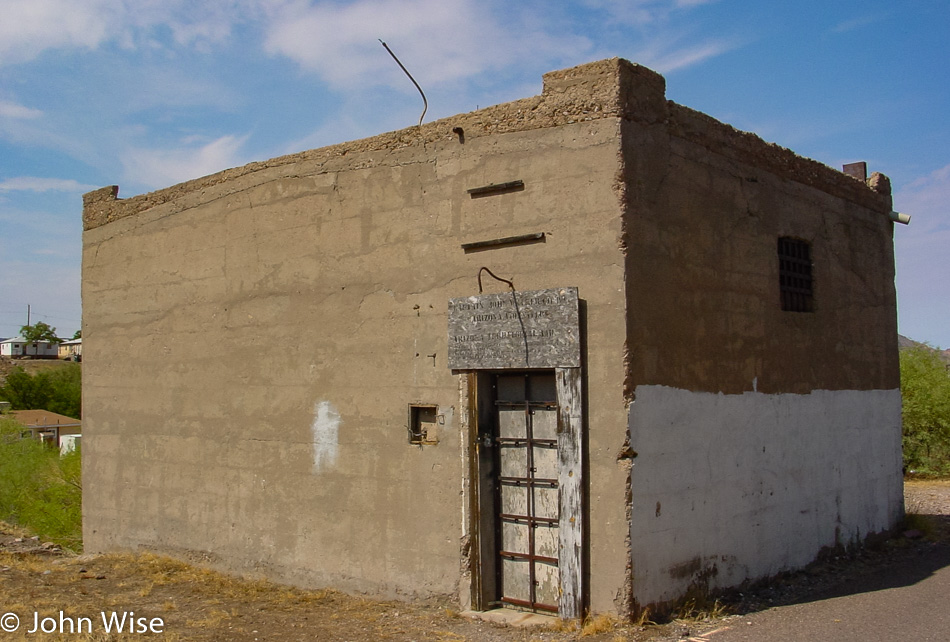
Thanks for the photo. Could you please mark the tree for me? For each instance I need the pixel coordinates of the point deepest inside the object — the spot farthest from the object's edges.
(39, 331)
(58, 390)
(66, 391)
(77, 335)
(925, 389)
(26, 392)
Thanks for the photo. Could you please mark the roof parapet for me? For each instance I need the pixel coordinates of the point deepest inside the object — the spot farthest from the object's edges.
(622, 87)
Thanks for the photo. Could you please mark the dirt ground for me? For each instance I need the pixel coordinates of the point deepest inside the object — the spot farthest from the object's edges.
(188, 603)
(31, 366)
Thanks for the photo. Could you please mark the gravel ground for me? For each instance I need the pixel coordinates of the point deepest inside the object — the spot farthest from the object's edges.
(923, 497)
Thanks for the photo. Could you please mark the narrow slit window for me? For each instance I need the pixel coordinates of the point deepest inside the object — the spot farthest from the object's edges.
(795, 275)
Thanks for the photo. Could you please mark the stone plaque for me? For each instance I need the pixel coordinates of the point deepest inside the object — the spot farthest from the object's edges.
(537, 329)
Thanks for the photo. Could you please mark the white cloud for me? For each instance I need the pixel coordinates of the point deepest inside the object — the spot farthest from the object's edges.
(193, 23)
(29, 27)
(437, 40)
(171, 86)
(33, 184)
(643, 12)
(663, 36)
(156, 168)
(665, 57)
(930, 196)
(14, 111)
(856, 23)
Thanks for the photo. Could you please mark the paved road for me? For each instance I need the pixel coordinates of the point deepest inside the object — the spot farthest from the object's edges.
(909, 602)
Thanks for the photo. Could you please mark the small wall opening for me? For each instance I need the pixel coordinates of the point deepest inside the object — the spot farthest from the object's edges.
(423, 424)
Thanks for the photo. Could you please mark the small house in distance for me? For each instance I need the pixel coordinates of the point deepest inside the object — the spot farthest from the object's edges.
(589, 350)
(57, 431)
(71, 350)
(18, 347)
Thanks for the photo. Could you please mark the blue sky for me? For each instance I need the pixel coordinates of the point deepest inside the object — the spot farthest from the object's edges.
(149, 93)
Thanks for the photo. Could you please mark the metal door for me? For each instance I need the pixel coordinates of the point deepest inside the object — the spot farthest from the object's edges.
(527, 490)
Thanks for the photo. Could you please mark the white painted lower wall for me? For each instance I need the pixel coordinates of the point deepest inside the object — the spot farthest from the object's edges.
(727, 488)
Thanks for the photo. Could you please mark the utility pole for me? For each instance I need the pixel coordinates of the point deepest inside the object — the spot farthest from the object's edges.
(28, 314)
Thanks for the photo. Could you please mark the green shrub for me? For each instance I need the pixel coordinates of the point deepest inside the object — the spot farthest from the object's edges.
(66, 395)
(39, 489)
(925, 389)
(58, 390)
(25, 391)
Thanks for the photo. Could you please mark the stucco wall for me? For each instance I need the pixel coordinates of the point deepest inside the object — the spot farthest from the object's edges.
(253, 340)
(757, 436)
(734, 487)
(704, 213)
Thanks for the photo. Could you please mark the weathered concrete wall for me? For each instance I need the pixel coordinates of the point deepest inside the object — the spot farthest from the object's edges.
(803, 451)
(253, 340)
(704, 215)
(734, 487)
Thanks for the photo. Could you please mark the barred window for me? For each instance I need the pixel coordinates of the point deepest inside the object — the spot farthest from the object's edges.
(795, 275)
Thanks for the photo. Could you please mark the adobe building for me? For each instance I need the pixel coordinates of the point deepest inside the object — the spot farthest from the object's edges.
(586, 350)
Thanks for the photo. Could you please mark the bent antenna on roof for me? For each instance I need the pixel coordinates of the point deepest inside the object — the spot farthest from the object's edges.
(425, 103)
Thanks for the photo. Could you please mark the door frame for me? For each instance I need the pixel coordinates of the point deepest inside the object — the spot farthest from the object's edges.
(481, 523)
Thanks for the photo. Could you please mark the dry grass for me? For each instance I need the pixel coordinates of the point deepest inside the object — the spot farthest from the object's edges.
(564, 625)
(33, 366)
(207, 604)
(691, 611)
(597, 624)
(158, 571)
(644, 618)
(196, 603)
(14, 530)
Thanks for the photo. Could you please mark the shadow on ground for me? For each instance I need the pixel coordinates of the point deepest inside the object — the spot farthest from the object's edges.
(903, 560)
